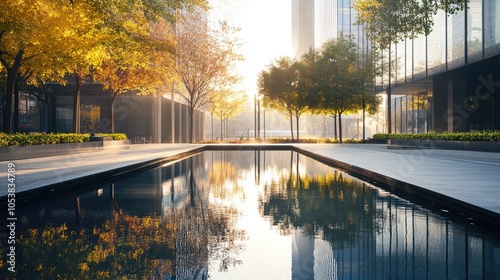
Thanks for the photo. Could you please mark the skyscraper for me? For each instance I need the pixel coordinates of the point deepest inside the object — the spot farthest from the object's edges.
(302, 26)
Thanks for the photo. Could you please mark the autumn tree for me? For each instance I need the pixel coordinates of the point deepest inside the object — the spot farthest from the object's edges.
(225, 104)
(121, 21)
(46, 40)
(35, 36)
(140, 57)
(206, 59)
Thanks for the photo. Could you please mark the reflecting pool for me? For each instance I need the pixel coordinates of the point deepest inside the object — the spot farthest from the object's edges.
(246, 215)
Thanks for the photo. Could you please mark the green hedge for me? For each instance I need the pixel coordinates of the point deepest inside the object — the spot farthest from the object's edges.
(489, 136)
(21, 139)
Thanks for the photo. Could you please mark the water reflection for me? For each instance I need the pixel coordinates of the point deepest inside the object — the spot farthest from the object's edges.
(246, 215)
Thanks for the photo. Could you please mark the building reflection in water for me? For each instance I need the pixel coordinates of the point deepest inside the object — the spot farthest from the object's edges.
(205, 216)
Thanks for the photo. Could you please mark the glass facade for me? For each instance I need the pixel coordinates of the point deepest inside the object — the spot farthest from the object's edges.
(411, 113)
(491, 27)
(456, 42)
(333, 18)
(474, 30)
(436, 43)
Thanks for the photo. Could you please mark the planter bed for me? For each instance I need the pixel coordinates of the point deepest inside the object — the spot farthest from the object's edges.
(480, 146)
(35, 151)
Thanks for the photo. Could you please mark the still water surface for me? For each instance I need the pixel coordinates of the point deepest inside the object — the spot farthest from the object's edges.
(247, 215)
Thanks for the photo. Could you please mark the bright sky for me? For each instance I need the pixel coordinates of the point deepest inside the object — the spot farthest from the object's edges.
(266, 33)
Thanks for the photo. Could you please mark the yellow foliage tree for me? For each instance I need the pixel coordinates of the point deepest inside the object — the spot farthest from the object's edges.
(36, 37)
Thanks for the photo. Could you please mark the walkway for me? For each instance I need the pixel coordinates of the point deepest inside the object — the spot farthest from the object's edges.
(471, 177)
(35, 173)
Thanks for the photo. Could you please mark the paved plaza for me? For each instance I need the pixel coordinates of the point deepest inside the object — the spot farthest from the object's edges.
(471, 177)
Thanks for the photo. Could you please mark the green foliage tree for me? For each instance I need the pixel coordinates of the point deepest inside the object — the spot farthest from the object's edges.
(283, 88)
(391, 21)
(345, 79)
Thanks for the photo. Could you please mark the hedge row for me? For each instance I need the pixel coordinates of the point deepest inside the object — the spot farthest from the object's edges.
(20, 139)
(489, 136)
(311, 140)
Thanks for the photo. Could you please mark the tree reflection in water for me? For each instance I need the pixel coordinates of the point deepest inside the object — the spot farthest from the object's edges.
(120, 244)
(331, 205)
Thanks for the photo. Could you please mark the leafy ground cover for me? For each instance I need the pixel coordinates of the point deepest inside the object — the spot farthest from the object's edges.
(21, 139)
(489, 136)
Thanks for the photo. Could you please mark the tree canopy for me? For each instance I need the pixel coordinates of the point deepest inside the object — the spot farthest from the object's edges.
(391, 21)
(206, 59)
(333, 80)
(346, 80)
(283, 88)
(47, 40)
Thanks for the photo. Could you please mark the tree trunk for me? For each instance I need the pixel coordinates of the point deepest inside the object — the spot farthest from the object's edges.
(291, 124)
(111, 111)
(48, 101)
(340, 127)
(11, 80)
(297, 120)
(16, 105)
(221, 129)
(76, 105)
(191, 125)
(226, 128)
(335, 127)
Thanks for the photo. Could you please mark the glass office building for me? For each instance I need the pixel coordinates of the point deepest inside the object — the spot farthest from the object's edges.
(446, 81)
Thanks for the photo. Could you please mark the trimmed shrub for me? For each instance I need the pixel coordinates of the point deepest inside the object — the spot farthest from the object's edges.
(115, 136)
(21, 139)
(488, 136)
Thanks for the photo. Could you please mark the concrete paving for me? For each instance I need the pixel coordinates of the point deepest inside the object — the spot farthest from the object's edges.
(35, 173)
(471, 177)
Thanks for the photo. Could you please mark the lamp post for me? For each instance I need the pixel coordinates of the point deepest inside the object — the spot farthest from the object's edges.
(255, 116)
(264, 113)
(258, 119)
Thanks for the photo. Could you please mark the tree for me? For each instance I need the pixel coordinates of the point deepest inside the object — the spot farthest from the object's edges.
(205, 60)
(284, 88)
(225, 104)
(26, 49)
(140, 57)
(45, 40)
(344, 80)
(391, 21)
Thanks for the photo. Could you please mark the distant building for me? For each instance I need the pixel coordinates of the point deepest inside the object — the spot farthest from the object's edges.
(145, 119)
(302, 26)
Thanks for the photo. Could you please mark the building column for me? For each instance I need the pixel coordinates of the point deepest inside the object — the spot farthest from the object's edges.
(450, 106)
